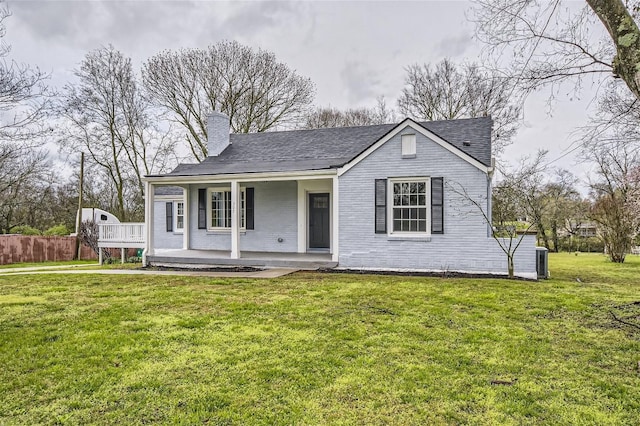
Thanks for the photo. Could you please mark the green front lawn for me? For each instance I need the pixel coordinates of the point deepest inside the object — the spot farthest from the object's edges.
(40, 264)
(323, 349)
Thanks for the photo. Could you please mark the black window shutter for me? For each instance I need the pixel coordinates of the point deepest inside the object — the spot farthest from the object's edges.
(248, 193)
(437, 206)
(169, 207)
(202, 208)
(381, 206)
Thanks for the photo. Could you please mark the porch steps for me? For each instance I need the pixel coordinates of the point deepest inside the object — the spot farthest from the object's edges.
(201, 262)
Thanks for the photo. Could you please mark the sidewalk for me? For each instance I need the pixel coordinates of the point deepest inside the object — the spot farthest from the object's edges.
(266, 273)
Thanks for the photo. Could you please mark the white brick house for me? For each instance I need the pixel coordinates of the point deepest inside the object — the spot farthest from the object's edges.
(368, 197)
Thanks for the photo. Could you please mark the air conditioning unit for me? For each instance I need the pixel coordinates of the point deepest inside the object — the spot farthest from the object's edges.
(542, 262)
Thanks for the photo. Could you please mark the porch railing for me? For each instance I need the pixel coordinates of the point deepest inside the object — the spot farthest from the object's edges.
(116, 234)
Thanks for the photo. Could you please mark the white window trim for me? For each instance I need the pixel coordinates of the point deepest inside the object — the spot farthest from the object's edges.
(408, 145)
(209, 214)
(408, 234)
(177, 230)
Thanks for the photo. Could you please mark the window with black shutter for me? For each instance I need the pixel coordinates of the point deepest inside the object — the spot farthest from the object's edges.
(202, 208)
(169, 211)
(417, 206)
(381, 206)
(437, 206)
(249, 208)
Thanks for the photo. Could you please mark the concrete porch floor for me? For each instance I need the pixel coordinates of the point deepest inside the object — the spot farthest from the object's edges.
(213, 258)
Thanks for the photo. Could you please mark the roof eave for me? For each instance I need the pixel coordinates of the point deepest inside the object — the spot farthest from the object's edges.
(251, 176)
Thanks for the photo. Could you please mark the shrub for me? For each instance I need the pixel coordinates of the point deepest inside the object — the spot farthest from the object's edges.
(25, 230)
(60, 230)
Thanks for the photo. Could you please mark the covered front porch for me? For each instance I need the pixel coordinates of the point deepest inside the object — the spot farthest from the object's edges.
(271, 219)
(218, 258)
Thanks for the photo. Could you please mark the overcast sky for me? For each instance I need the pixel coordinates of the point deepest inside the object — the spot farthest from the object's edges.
(353, 51)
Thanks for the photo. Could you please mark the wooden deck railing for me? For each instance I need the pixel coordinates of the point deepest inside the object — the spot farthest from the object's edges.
(121, 235)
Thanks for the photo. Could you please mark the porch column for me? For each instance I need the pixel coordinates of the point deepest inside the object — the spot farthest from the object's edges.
(235, 219)
(148, 220)
(302, 218)
(335, 219)
(186, 232)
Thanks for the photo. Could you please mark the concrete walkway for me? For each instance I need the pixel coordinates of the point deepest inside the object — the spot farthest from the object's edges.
(266, 273)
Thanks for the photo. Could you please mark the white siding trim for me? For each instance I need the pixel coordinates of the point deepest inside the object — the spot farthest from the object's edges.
(335, 217)
(168, 198)
(302, 222)
(149, 208)
(400, 234)
(235, 220)
(186, 222)
(241, 177)
(418, 128)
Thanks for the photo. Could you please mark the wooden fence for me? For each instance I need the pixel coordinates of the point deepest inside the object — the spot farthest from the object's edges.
(28, 248)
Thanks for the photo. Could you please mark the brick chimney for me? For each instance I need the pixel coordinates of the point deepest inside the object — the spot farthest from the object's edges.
(218, 133)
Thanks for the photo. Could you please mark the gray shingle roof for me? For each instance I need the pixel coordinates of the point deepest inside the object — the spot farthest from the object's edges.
(318, 149)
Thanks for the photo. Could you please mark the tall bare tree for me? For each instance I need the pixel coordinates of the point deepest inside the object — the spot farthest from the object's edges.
(23, 180)
(107, 115)
(548, 43)
(333, 117)
(24, 105)
(256, 91)
(448, 91)
(616, 196)
(24, 95)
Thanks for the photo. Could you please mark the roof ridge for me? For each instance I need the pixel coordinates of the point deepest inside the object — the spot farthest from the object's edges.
(363, 125)
(316, 129)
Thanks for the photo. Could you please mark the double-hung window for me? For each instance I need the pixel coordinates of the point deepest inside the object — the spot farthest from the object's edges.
(219, 208)
(179, 216)
(409, 205)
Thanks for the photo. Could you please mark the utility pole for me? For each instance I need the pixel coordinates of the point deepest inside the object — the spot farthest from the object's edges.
(79, 216)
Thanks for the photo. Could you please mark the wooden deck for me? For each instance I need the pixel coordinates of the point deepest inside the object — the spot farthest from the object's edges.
(215, 258)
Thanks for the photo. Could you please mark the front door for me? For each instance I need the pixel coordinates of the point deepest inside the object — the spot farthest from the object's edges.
(319, 221)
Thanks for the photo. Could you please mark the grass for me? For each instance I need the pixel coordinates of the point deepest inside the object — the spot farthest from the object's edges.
(323, 349)
(57, 263)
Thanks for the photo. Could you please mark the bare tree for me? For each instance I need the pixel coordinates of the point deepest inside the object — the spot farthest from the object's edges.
(511, 205)
(256, 91)
(617, 118)
(22, 179)
(447, 91)
(88, 234)
(24, 96)
(549, 43)
(561, 210)
(320, 118)
(108, 116)
(24, 104)
(616, 196)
